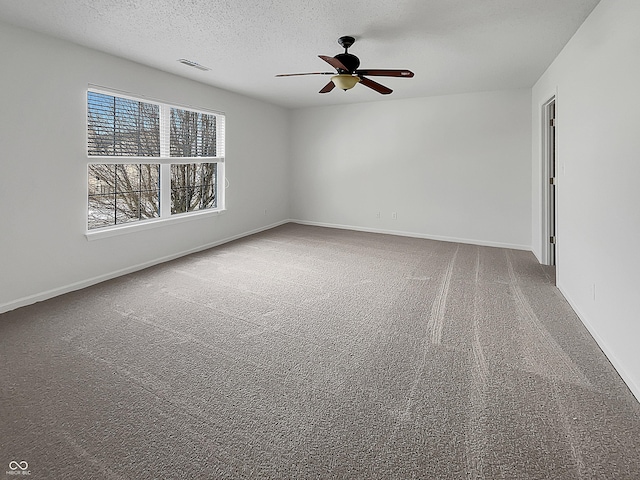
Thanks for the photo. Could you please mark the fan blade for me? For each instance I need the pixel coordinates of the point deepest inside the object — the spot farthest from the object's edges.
(327, 88)
(385, 73)
(298, 74)
(375, 86)
(335, 63)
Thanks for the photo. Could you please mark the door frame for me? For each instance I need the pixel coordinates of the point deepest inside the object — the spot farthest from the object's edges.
(549, 202)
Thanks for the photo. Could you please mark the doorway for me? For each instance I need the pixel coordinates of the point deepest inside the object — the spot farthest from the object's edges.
(550, 183)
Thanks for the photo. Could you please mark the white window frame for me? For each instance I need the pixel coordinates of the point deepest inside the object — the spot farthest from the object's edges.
(165, 161)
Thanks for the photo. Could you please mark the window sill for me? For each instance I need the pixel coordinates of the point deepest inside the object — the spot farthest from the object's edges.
(106, 232)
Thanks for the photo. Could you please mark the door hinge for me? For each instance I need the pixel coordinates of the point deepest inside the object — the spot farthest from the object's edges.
(552, 122)
(552, 239)
(552, 180)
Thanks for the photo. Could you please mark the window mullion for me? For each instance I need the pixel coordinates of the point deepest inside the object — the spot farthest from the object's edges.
(165, 168)
(165, 190)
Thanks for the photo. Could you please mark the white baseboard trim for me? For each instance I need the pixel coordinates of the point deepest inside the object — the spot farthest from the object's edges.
(635, 388)
(483, 243)
(39, 297)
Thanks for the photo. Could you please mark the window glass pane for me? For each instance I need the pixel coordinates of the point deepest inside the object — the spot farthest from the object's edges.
(193, 187)
(192, 134)
(99, 179)
(150, 176)
(100, 211)
(127, 178)
(127, 207)
(149, 204)
(122, 127)
(122, 193)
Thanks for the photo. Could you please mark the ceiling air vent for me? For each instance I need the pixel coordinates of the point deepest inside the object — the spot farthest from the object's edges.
(193, 64)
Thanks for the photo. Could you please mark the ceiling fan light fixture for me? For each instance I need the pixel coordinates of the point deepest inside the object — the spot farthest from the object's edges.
(348, 73)
(345, 81)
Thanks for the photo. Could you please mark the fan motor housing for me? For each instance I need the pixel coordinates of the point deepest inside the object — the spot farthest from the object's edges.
(348, 60)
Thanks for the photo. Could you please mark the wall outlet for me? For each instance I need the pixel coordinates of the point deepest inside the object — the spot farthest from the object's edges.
(394, 215)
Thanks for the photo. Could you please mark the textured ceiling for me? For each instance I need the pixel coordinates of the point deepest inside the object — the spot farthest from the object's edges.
(452, 46)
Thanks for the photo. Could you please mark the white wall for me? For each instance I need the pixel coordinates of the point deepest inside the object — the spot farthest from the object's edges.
(597, 79)
(454, 167)
(43, 250)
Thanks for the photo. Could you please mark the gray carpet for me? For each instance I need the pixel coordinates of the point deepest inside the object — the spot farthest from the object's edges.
(307, 352)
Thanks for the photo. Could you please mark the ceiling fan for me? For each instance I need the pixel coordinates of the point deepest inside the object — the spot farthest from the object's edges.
(348, 74)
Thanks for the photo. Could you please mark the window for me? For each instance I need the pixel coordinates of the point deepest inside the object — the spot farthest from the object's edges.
(123, 193)
(187, 148)
(121, 127)
(193, 134)
(193, 187)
